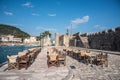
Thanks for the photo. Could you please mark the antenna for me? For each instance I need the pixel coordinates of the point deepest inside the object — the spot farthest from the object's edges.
(71, 29)
(67, 31)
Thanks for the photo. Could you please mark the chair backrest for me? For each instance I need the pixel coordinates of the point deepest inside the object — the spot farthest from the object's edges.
(62, 55)
(32, 49)
(82, 53)
(23, 58)
(88, 51)
(32, 54)
(104, 55)
(21, 54)
(12, 59)
(53, 57)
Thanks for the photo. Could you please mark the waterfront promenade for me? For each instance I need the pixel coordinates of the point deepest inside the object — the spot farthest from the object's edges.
(37, 71)
(74, 70)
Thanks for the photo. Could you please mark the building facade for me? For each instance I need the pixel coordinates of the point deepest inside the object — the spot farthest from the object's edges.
(62, 40)
(32, 39)
(46, 41)
(9, 38)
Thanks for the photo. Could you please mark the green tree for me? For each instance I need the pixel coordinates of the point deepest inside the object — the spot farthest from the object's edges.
(8, 29)
(45, 34)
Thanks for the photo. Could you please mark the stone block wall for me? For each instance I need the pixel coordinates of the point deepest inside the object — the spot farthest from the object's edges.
(80, 40)
(56, 39)
(62, 40)
(105, 40)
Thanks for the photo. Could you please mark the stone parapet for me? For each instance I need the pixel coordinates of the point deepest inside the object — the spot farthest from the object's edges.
(106, 40)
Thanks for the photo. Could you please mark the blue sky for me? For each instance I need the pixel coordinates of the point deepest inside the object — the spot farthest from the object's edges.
(36, 16)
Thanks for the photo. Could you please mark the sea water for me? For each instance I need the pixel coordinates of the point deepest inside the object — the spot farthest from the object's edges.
(11, 50)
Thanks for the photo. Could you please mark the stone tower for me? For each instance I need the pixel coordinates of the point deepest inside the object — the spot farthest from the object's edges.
(56, 39)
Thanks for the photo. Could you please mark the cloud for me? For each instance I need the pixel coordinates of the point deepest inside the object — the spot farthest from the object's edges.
(74, 23)
(40, 29)
(51, 14)
(99, 27)
(80, 20)
(51, 29)
(35, 14)
(8, 13)
(45, 28)
(28, 4)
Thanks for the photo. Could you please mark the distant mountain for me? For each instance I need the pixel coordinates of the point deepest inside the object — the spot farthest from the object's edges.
(8, 29)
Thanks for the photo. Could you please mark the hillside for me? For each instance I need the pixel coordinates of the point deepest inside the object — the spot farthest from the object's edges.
(8, 29)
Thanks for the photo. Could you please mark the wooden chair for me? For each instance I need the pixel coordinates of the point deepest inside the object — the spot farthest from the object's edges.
(102, 59)
(62, 57)
(23, 61)
(52, 60)
(105, 59)
(22, 53)
(69, 51)
(32, 57)
(12, 63)
(82, 55)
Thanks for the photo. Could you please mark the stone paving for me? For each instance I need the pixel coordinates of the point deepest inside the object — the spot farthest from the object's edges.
(37, 71)
(82, 71)
(74, 70)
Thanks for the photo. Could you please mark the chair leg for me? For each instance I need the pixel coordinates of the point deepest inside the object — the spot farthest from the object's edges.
(48, 64)
(106, 63)
(18, 66)
(58, 64)
(8, 66)
(64, 62)
(26, 66)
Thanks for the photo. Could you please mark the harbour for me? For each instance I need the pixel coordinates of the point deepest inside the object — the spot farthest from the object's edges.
(11, 50)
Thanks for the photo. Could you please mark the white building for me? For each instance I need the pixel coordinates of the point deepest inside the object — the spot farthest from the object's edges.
(9, 38)
(46, 41)
(32, 39)
(17, 39)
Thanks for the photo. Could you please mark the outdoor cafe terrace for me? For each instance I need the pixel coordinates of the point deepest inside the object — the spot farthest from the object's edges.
(61, 63)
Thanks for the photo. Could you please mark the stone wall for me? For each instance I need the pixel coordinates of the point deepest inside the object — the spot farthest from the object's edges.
(56, 39)
(71, 40)
(105, 40)
(62, 40)
(79, 41)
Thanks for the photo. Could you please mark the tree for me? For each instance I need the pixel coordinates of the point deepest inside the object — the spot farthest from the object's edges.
(8, 29)
(45, 34)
